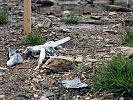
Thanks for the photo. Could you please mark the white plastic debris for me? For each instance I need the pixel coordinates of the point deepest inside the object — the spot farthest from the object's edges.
(73, 84)
(14, 58)
(47, 47)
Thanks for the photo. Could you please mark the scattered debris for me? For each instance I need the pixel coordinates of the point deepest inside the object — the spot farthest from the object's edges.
(14, 58)
(74, 84)
(47, 47)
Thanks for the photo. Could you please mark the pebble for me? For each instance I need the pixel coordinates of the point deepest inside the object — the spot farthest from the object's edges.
(35, 95)
(2, 96)
(87, 98)
(1, 74)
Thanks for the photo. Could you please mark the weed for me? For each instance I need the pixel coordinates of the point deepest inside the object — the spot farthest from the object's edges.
(127, 37)
(71, 20)
(33, 38)
(3, 17)
(76, 67)
(115, 76)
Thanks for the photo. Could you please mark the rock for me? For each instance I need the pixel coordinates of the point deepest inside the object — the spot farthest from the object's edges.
(108, 96)
(57, 64)
(35, 95)
(96, 17)
(92, 60)
(102, 21)
(45, 24)
(66, 13)
(48, 94)
(33, 20)
(2, 68)
(127, 51)
(112, 13)
(117, 8)
(111, 31)
(64, 29)
(127, 22)
(2, 97)
(47, 10)
(85, 2)
(87, 98)
(121, 98)
(1, 74)
(79, 58)
(117, 25)
(43, 98)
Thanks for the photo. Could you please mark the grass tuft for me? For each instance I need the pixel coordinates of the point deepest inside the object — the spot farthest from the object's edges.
(127, 37)
(32, 38)
(3, 17)
(115, 76)
(71, 20)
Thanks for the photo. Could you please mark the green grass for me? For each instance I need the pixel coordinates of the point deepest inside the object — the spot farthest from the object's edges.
(3, 17)
(32, 39)
(71, 20)
(115, 76)
(76, 67)
(127, 37)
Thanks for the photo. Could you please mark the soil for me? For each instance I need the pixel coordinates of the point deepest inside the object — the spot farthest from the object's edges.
(22, 82)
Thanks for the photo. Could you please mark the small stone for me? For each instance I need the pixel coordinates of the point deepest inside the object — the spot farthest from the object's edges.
(117, 25)
(96, 17)
(2, 96)
(112, 13)
(127, 51)
(45, 24)
(43, 98)
(1, 74)
(66, 13)
(111, 31)
(93, 60)
(48, 94)
(87, 98)
(35, 95)
(121, 98)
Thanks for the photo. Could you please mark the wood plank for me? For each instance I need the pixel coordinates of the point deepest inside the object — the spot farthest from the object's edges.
(27, 16)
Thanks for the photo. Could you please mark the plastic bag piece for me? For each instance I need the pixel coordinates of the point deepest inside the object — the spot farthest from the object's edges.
(13, 57)
(74, 84)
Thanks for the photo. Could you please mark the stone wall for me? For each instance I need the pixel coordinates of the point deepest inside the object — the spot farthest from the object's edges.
(65, 0)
